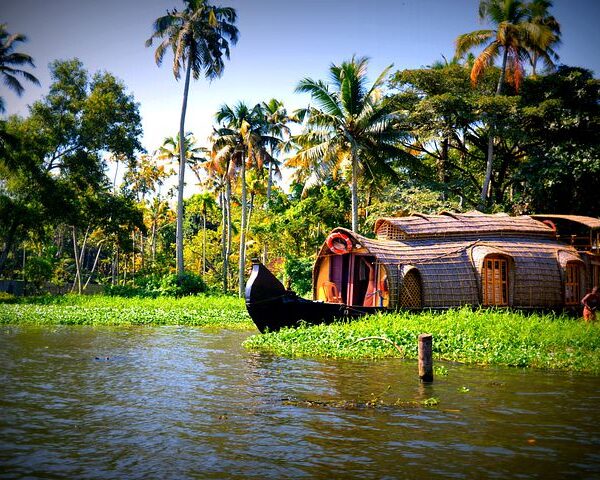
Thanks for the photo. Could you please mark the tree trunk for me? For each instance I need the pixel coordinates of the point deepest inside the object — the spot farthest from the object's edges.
(223, 237)
(442, 165)
(113, 272)
(77, 264)
(133, 254)
(94, 266)
(265, 255)
(354, 188)
(179, 235)
(242, 263)
(8, 243)
(142, 251)
(490, 151)
(204, 241)
(228, 229)
(83, 247)
(153, 236)
(250, 209)
(269, 182)
(115, 177)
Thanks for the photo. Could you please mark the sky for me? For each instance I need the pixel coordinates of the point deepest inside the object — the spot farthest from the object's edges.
(281, 42)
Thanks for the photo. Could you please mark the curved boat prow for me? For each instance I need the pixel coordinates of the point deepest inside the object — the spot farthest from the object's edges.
(272, 307)
(265, 296)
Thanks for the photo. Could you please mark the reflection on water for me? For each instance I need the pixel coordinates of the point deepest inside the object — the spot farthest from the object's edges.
(79, 402)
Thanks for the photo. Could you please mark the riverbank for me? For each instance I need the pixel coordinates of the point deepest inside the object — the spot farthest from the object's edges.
(216, 311)
(483, 337)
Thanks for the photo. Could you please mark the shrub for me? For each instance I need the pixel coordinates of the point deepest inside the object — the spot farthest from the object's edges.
(38, 270)
(299, 272)
(179, 286)
(6, 297)
(152, 286)
(128, 291)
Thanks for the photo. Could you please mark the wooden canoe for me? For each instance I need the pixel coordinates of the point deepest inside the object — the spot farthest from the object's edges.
(272, 307)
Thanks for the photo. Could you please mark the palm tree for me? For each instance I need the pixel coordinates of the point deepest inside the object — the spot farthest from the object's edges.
(199, 37)
(204, 203)
(220, 172)
(170, 150)
(351, 124)
(513, 34)
(242, 139)
(276, 121)
(543, 49)
(10, 60)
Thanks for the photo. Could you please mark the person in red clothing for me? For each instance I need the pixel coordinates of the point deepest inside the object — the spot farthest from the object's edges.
(590, 303)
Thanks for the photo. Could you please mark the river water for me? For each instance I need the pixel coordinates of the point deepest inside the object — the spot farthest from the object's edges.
(178, 403)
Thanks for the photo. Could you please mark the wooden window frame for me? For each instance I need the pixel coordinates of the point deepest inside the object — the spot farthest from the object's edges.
(595, 275)
(498, 283)
(573, 283)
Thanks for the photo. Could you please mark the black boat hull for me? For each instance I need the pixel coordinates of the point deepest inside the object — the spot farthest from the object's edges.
(272, 307)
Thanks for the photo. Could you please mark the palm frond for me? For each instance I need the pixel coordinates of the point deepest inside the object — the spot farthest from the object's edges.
(484, 60)
(319, 91)
(467, 41)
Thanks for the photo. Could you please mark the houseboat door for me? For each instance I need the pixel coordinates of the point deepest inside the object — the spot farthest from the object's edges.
(352, 279)
(367, 285)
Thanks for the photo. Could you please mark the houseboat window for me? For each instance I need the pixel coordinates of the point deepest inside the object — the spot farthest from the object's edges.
(572, 285)
(495, 281)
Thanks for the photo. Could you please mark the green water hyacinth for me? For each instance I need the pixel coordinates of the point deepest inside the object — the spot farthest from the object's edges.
(201, 311)
(483, 337)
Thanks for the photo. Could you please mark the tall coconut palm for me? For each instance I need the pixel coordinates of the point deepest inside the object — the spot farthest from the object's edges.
(543, 48)
(170, 151)
(220, 173)
(199, 37)
(350, 125)
(512, 35)
(276, 120)
(11, 60)
(242, 138)
(204, 203)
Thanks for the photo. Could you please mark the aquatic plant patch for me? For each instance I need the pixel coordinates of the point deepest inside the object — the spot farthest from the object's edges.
(486, 337)
(202, 311)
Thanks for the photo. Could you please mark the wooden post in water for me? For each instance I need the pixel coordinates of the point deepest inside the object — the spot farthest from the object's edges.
(425, 357)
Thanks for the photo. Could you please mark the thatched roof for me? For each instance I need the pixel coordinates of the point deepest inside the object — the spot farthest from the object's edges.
(451, 224)
(589, 222)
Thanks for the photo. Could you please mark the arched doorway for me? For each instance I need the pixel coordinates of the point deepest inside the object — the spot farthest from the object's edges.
(410, 290)
(494, 276)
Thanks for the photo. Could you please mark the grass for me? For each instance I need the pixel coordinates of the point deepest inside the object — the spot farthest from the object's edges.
(484, 337)
(202, 311)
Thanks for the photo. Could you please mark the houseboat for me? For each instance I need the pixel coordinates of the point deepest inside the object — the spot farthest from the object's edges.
(439, 262)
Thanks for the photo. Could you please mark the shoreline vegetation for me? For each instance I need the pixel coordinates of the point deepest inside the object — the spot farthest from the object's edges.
(479, 337)
(210, 311)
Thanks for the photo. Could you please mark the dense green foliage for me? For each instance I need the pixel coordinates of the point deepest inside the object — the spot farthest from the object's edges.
(53, 183)
(299, 273)
(201, 311)
(483, 337)
(416, 140)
